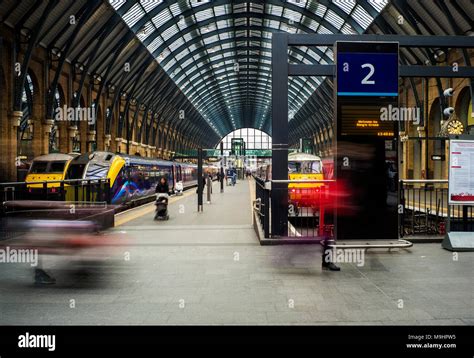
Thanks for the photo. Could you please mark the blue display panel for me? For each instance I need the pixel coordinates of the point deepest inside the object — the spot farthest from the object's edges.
(367, 74)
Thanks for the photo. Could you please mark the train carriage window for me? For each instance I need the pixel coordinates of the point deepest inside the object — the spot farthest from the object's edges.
(293, 167)
(97, 170)
(75, 171)
(39, 167)
(316, 167)
(57, 167)
(309, 167)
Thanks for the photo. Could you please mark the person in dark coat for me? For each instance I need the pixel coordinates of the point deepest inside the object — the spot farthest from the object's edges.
(162, 186)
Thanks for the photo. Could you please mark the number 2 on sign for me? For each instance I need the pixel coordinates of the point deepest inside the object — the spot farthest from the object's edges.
(366, 80)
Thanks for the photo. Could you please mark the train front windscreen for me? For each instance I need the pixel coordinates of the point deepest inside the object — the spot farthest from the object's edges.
(306, 167)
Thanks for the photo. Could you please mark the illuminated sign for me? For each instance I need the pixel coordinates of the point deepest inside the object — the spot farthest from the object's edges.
(440, 157)
(366, 87)
(370, 70)
(363, 121)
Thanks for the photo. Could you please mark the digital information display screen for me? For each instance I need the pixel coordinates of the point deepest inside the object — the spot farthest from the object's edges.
(357, 120)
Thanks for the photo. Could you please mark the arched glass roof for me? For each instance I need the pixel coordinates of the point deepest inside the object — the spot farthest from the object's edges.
(219, 52)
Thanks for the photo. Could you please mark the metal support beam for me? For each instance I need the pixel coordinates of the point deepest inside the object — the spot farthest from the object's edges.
(200, 183)
(279, 133)
(404, 40)
(405, 71)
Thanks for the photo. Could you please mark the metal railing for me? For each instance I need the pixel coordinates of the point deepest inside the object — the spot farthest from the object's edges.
(307, 214)
(75, 190)
(262, 206)
(425, 208)
(310, 209)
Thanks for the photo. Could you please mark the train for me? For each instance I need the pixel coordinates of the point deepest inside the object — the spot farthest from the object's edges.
(49, 167)
(132, 178)
(301, 166)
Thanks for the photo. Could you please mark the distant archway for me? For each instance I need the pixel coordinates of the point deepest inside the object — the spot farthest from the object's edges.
(253, 139)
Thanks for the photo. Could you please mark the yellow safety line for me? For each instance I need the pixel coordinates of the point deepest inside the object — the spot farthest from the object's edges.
(133, 214)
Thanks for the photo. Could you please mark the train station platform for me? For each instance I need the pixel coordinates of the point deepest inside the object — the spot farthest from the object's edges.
(208, 268)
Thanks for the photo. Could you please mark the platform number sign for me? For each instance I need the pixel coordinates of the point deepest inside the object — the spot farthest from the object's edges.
(367, 69)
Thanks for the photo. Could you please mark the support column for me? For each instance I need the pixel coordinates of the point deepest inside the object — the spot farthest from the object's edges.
(72, 132)
(63, 137)
(47, 127)
(403, 155)
(279, 134)
(423, 164)
(8, 148)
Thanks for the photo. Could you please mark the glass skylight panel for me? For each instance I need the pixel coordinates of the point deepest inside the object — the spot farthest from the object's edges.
(362, 17)
(292, 29)
(223, 24)
(182, 25)
(168, 66)
(334, 19)
(192, 47)
(150, 5)
(211, 39)
(175, 9)
(196, 3)
(240, 8)
(217, 57)
(312, 24)
(204, 15)
(300, 3)
(133, 15)
(200, 64)
(208, 28)
(378, 4)
(162, 17)
(256, 21)
(273, 24)
(117, 4)
(176, 44)
(292, 15)
(145, 31)
(274, 10)
(187, 62)
(169, 32)
(225, 36)
(221, 10)
(155, 44)
(197, 56)
(321, 10)
(329, 53)
(240, 22)
(188, 37)
(255, 33)
(345, 5)
(256, 7)
(347, 29)
(323, 30)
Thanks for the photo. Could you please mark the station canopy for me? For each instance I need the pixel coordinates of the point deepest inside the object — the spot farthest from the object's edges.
(211, 59)
(219, 52)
